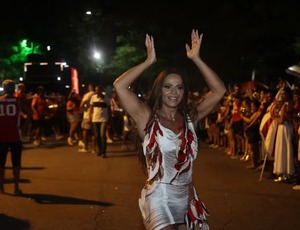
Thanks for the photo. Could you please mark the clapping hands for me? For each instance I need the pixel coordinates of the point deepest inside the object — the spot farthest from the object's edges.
(192, 52)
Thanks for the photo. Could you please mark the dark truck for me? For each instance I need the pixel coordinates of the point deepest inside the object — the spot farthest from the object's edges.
(58, 80)
(55, 77)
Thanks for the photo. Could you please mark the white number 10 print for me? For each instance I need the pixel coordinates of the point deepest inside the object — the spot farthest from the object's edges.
(8, 110)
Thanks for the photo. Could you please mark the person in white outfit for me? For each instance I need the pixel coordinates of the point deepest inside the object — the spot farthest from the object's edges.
(166, 126)
(86, 124)
(284, 166)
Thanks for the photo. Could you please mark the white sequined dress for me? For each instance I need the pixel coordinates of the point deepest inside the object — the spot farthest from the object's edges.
(166, 198)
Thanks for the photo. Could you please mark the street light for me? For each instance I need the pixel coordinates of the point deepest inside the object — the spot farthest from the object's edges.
(97, 61)
(97, 55)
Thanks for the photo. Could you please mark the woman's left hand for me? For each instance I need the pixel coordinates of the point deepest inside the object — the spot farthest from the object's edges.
(149, 43)
(196, 40)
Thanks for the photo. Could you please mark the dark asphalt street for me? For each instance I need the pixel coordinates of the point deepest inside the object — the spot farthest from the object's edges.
(64, 189)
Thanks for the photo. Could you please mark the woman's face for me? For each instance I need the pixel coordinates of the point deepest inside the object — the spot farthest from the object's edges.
(296, 97)
(284, 95)
(236, 88)
(172, 90)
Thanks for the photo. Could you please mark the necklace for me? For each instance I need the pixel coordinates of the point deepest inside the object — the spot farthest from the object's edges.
(171, 118)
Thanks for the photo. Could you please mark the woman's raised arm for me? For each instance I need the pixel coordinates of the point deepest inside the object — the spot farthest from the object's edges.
(133, 105)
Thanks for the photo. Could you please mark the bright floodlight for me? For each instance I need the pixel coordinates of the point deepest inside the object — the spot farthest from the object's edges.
(97, 55)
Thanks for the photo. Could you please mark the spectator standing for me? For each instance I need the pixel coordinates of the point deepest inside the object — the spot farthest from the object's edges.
(53, 124)
(228, 126)
(297, 164)
(237, 128)
(10, 136)
(268, 130)
(117, 113)
(296, 135)
(100, 112)
(266, 98)
(252, 133)
(86, 124)
(74, 117)
(39, 108)
(25, 109)
(222, 112)
(246, 113)
(284, 166)
(213, 129)
(127, 129)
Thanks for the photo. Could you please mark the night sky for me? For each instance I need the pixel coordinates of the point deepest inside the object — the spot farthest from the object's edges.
(233, 29)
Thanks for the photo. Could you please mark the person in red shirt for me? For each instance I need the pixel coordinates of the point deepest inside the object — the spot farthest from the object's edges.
(10, 139)
(39, 108)
(237, 127)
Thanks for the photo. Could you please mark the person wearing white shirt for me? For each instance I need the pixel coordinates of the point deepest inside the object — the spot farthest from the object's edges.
(100, 112)
(86, 124)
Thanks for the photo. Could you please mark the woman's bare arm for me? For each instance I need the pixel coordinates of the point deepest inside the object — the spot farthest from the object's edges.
(214, 83)
(133, 105)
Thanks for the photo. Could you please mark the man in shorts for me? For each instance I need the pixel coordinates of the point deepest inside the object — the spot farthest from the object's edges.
(10, 139)
(86, 124)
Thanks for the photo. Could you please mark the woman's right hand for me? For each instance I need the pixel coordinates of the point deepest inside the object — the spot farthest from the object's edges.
(151, 55)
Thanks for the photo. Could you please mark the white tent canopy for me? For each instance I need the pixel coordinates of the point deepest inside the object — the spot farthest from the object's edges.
(294, 70)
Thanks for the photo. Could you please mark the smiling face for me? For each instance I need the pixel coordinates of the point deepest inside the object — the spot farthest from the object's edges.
(172, 90)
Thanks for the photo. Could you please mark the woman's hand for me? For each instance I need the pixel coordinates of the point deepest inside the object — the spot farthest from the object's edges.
(151, 55)
(196, 40)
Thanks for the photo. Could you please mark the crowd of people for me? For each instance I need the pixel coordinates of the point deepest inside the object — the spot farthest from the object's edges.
(259, 126)
(90, 119)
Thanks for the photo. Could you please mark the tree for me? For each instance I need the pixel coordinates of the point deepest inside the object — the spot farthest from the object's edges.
(14, 55)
